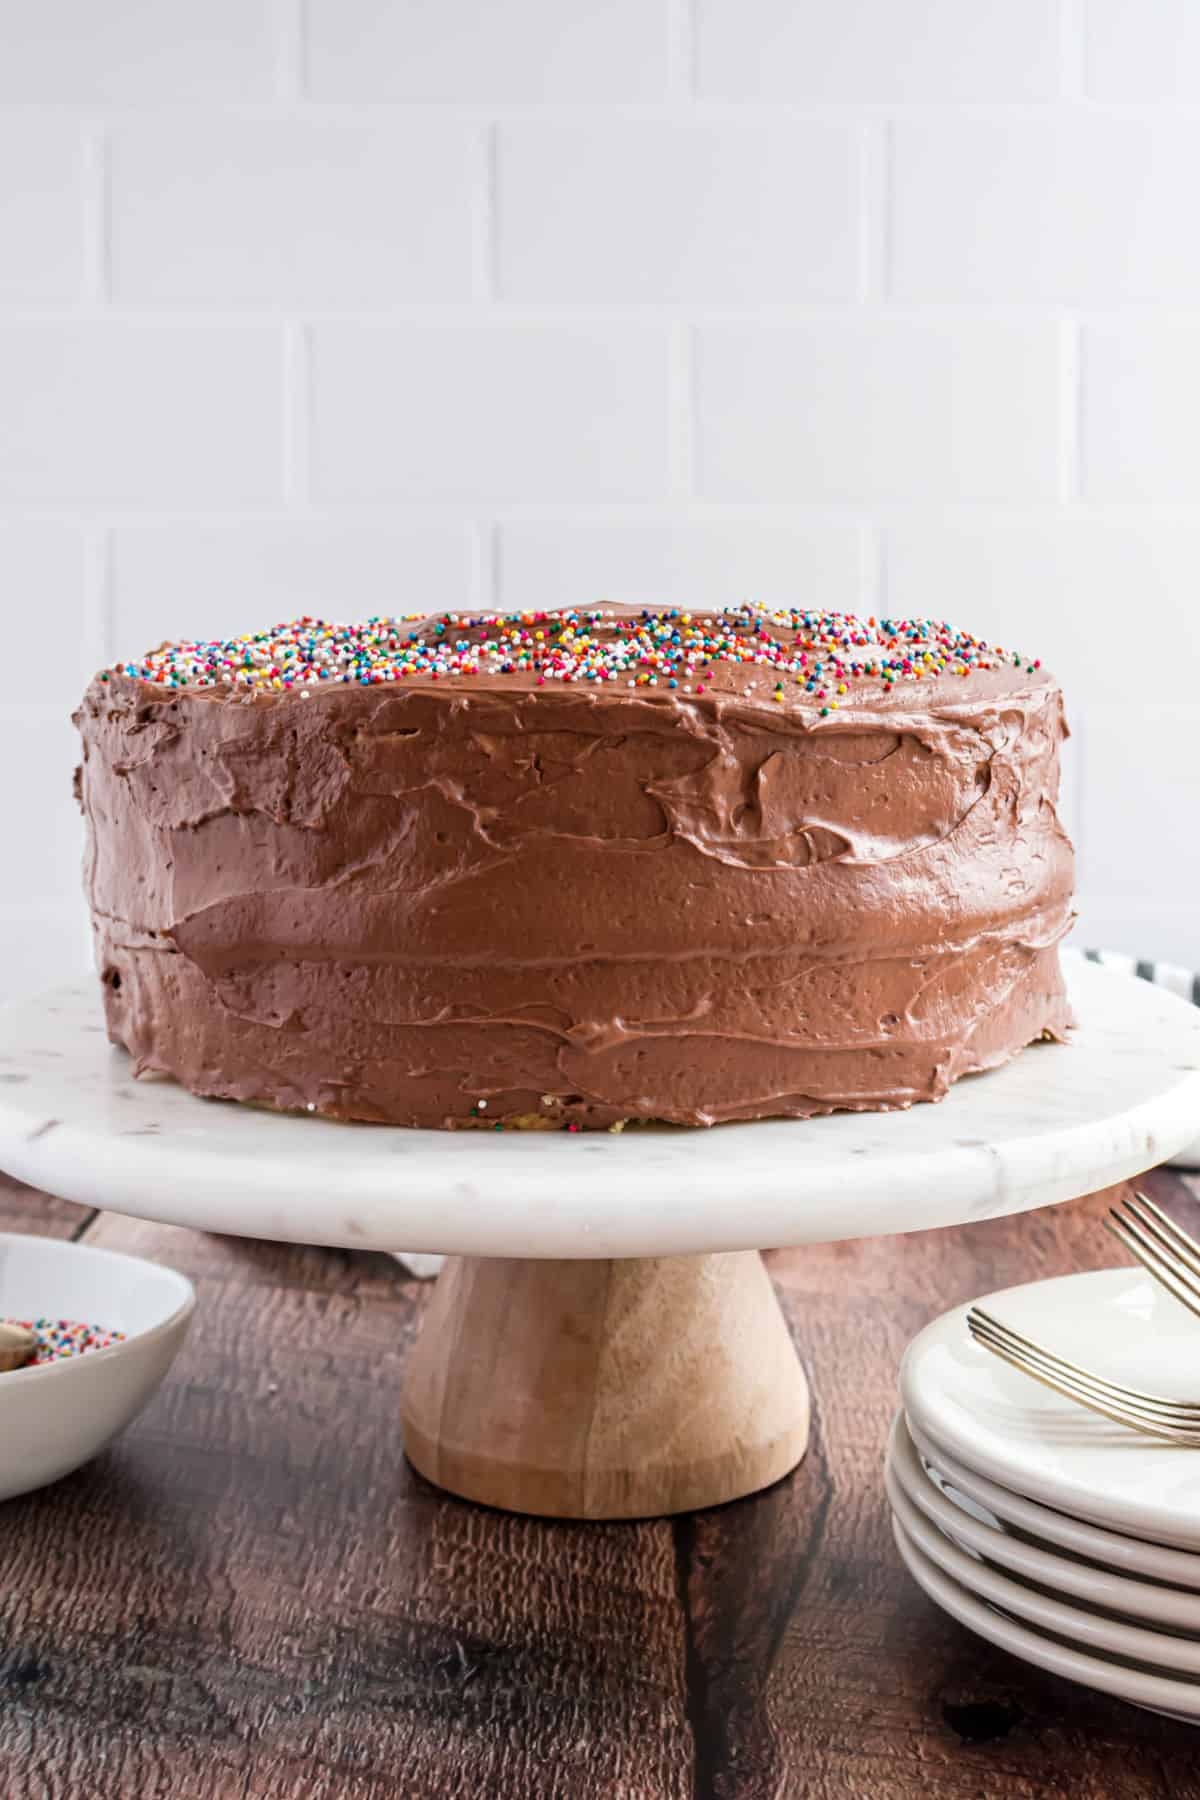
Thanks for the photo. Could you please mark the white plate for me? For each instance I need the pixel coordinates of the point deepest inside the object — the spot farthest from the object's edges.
(1130, 1556)
(1167, 1607)
(1091, 1631)
(1020, 1434)
(1179, 1699)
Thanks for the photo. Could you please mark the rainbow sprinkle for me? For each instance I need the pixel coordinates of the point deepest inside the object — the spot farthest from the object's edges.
(58, 1339)
(813, 655)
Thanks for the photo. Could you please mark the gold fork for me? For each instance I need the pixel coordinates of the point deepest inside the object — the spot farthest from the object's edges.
(1162, 1247)
(1176, 1420)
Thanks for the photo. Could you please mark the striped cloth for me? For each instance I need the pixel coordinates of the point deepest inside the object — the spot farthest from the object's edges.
(1183, 982)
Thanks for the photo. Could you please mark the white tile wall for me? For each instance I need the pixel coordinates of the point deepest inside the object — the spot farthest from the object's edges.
(677, 212)
(1140, 409)
(1084, 207)
(41, 206)
(176, 580)
(847, 50)
(144, 414)
(456, 50)
(877, 410)
(705, 563)
(144, 51)
(266, 212)
(489, 412)
(1117, 789)
(1142, 49)
(49, 628)
(340, 305)
(47, 623)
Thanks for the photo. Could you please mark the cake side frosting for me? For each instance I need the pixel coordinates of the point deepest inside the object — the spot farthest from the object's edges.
(531, 881)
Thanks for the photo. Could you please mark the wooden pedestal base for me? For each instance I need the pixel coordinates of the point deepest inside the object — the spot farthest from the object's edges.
(605, 1390)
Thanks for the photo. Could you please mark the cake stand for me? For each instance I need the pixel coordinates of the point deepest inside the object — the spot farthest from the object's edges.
(604, 1341)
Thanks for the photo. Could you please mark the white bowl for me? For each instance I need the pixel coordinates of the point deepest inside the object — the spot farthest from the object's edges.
(57, 1416)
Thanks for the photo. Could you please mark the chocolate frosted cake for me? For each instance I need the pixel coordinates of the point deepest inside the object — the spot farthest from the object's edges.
(577, 869)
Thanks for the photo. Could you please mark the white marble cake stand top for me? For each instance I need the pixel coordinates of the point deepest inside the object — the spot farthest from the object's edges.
(1059, 1121)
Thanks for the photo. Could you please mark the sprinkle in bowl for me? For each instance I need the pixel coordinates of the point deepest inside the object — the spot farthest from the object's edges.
(56, 1415)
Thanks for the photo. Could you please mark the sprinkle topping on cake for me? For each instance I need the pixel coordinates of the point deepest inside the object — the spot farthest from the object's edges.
(571, 870)
(821, 653)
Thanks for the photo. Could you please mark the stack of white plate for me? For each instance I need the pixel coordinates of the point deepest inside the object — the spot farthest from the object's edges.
(1069, 1540)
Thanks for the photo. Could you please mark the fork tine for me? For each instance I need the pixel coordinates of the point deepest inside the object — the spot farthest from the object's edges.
(1148, 1252)
(1106, 1406)
(1177, 1255)
(1173, 1236)
(1080, 1384)
(1163, 1424)
(1175, 1434)
(1155, 1249)
(1157, 1429)
(1059, 1364)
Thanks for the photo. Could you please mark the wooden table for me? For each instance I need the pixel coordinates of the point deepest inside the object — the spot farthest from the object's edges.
(252, 1595)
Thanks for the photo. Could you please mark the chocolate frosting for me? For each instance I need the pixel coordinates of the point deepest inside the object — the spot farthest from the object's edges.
(488, 900)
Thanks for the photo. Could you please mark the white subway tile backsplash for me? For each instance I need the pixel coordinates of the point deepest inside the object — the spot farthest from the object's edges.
(531, 50)
(43, 607)
(688, 563)
(44, 943)
(221, 580)
(41, 209)
(1144, 51)
(876, 50)
(490, 413)
(894, 409)
(140, 414)
(647, 211)
(1093, 598)
(39, 811)
(1140, 411)
(130, 51)
(1086, 207)
(275, 212)
(1138, 816)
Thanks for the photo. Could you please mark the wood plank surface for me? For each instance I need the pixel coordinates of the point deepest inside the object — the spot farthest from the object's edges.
(25, 1209)
(252, 1594)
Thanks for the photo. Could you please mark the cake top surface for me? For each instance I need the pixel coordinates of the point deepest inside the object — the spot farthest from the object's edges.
(822, 660)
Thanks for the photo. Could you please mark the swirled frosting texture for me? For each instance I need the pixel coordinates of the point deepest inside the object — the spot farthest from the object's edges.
(492, 901)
